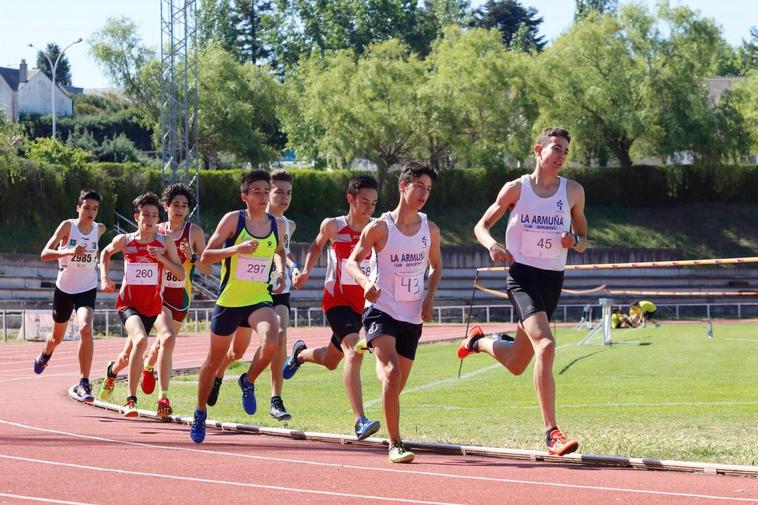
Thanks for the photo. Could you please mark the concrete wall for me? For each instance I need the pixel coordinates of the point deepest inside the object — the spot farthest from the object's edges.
(34, 97)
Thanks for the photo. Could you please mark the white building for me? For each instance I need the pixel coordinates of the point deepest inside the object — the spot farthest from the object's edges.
(24, 91)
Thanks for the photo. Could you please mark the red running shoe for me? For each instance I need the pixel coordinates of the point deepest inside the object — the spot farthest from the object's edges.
(559, 445)
(164, 407)
(148, 381)
(466, 347)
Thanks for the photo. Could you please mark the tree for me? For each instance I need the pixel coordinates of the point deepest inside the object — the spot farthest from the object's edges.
(251, 18)
(129, 64)
(215, 21)
(747, 54)
(744, 99)
(62, 70)
(600, 7)
(517, 25)
(622, 82)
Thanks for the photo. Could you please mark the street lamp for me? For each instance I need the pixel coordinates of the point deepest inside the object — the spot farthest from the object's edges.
(53, 67)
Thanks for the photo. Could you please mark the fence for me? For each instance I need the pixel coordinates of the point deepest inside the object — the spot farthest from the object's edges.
(107, 322)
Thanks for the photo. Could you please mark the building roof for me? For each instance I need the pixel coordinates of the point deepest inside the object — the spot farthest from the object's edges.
(11, 77)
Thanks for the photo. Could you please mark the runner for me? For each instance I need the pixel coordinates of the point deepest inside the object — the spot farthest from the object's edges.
(74, 244)
(247, 242)
(405, 245)
(146, 254)
(343, 298)
(189, 239)
(279, 201)
(546, 220)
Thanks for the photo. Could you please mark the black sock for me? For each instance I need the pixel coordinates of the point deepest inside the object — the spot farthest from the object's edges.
(46, 356)
(133, 398)
(475, 343)
(275, 397)
(84, 380)
(218, 380)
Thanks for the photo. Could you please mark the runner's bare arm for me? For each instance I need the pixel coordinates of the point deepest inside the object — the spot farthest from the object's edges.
(280, 261)
(505, 201)
(170, 260)
(116, 245)
(326, 233)
(578, 219)
(51, 252)
(197, 238)
(374, 236)
(435, 273)
(215, 250)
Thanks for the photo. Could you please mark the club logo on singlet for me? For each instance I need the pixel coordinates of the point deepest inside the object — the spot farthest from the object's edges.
(559, 205)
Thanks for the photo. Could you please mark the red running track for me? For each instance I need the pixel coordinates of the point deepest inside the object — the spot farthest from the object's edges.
(56, 450)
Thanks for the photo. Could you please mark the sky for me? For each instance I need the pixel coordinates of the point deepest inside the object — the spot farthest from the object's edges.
(41, 21)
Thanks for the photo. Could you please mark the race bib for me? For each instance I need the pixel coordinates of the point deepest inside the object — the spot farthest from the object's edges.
(142, 274)
(346, 279)
(252, 268)
(409, 287)
(171, 281)
(541, 244)
(86, 261)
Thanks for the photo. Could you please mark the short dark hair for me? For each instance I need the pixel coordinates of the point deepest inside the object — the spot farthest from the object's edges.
(89, 194)
(360, 182)
(148, 198)
(545, 134)
(281, 175)
(250, 177)
(414, 170)
(174, 190)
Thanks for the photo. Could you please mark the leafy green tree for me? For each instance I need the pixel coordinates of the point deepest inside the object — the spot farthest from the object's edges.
(449, 12)
(62, 70)
(130, 65)
(587, 7)
(215, 21)
(629, 82)
(237, 104)
(518, 25)
(747, 54)
(50, 150)
(744, 99)
(252, 18)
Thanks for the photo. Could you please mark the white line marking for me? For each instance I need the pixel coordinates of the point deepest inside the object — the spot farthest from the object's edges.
(380, 469)
(45, 500)
(37, 377)
(431, 385)
(224, 482)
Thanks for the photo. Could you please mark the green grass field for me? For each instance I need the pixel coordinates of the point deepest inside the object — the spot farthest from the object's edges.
(674, 395)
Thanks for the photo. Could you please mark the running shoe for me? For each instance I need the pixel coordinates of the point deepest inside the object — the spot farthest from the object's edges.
(130, 407)
(292, 365)
(364, 428)
(248, 394)
(277, 409)
(164, 407)
(197, 431)
(503, 337)
(40, 363)
(398, 454)
(559, 445)
(361, 346)
(148, 381)
(84, 392)
(109, 382)
(467, 346)
(213, 396)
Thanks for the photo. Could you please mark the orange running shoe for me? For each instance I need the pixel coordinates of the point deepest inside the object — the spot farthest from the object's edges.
(130, 407)
(466, 347)
(164, 407)
(148, 381)
(559, 445)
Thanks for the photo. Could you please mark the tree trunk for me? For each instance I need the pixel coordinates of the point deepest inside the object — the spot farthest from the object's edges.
(620, 146)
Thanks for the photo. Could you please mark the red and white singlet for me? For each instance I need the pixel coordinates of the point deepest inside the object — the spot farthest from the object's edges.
(142, 286)
(340, 289)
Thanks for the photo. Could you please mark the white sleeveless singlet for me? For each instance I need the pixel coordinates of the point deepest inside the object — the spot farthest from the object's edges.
(288, 274)
(400, 270)
(76, 274)
(535, 227)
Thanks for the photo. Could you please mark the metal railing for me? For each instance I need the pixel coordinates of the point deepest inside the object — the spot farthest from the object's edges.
(107, 322)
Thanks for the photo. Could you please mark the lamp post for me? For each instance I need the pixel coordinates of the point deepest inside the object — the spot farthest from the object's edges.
(53, 67)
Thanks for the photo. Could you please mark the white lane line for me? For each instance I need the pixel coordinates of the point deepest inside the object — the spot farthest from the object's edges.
(44, 500)
(39, 377)
(380, 469)
(432, 385)
(74, 362)
(223, 482)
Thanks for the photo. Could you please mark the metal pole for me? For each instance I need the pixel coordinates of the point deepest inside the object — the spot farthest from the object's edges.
(107, 328)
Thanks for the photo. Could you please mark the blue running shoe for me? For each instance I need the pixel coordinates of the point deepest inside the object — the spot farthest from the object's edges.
(40, 363)
(84, 392)
(197, 431)
(364, 428)
(292, 365)
(248, 394)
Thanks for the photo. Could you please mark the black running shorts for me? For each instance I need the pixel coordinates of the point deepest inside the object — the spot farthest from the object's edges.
(64, 303)
(147, 321)
(533, 290)
(406, 334)
(343, 321)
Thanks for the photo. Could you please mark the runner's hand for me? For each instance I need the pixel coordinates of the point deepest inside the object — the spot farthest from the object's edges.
(247, 247)
(372, 292)
(79, 250)
(107, 285)
(156, 251)
(567, 240)
(500, 254)
(185, 248)
(280, 282)
(299, 278)
(427, 308)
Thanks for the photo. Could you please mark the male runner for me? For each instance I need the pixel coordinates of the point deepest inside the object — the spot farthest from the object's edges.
(405, 245)
(343, 298)
(147, 254)
(279, 201)
(247, 242)
(546, 220)
(189, 239)
(74, 245)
